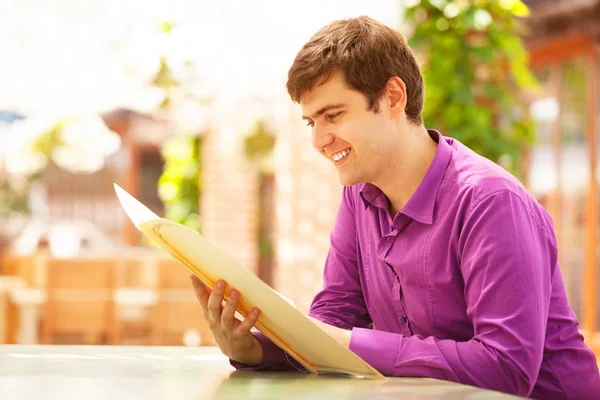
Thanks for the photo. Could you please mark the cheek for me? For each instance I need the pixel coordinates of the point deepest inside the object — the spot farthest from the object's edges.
(365, 135)
(356, 133)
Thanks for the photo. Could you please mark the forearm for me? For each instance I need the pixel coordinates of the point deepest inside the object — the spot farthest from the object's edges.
(472, 362)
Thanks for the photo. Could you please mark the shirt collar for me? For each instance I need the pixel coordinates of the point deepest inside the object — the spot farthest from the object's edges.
(420, 206)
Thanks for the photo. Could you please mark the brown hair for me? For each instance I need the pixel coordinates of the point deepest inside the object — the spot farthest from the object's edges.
(367, 53)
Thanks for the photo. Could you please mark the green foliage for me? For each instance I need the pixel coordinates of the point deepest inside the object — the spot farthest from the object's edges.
(258, 147)
(14, 200)
(258, 150)
(475, 69)
(179, 184)
(46, 142)
(15, 196)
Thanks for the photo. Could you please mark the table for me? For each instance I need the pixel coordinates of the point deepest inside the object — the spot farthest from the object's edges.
(144, 372)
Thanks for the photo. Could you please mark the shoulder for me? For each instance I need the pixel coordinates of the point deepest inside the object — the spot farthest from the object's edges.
(480, 183)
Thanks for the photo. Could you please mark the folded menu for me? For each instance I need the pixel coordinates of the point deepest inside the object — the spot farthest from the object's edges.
(279, 321)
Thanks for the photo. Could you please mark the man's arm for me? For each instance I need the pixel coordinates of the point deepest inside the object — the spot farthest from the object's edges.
(340, 303)
(508, 259)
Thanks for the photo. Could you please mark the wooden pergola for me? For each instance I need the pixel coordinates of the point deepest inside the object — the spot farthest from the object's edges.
(563, 34)
(142, 136)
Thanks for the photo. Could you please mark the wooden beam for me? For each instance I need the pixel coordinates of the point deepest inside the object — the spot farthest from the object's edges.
(590, 270)
(554, 206)
(132, 187)
(561, 49)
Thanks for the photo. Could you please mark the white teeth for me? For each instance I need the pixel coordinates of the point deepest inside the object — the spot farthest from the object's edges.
(340, 155)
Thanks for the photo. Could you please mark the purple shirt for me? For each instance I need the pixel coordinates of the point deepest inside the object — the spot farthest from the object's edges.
(463, 284)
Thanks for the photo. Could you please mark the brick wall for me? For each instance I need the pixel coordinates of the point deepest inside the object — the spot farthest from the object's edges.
(307, 196)
(229, 198)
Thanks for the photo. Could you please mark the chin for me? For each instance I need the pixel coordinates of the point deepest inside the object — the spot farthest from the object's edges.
(347, 180)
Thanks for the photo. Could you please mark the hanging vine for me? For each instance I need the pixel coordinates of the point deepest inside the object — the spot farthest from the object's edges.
(476, 70)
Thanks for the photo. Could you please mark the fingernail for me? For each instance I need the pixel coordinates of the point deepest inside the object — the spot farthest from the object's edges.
(255, 311)
(220, 285)
(234, 294)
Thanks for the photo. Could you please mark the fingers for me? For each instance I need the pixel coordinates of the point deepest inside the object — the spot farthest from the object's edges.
(202, 293)
(249, 322)
(228, 314)
(221, 316)
(214, 303)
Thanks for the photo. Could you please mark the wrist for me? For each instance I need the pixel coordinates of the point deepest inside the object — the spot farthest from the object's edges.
(253, 356)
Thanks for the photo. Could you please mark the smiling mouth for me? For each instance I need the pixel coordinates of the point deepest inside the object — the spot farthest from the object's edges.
(341, 155)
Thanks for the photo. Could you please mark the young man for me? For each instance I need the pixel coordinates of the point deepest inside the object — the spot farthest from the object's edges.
(441, 264)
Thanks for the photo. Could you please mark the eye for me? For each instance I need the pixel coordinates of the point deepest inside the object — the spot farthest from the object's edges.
(331, 116)
(310, 123)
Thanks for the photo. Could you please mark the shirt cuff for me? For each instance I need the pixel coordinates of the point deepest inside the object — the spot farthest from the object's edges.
(379, 349)
(272, 354)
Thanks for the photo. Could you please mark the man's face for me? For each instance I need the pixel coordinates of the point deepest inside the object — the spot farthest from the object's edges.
(353, 138)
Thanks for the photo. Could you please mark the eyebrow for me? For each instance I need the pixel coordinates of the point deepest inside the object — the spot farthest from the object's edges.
(325, 109)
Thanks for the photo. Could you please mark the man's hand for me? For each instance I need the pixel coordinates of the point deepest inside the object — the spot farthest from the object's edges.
(232, 335)
(339, 334)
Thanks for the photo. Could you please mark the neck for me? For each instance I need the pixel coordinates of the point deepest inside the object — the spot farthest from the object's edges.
(404, 176)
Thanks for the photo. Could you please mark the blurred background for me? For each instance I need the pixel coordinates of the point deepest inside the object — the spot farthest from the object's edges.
(183, 104)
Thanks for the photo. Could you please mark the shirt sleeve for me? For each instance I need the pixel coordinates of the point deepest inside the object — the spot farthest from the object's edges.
(508, 256)
(340, 302)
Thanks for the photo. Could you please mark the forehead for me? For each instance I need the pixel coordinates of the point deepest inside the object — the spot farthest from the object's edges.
(334, 90)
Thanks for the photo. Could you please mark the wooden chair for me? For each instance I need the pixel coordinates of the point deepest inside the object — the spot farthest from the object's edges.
(79, 306)
(25, 301)
(135, 297)
(8, 311)
(178, 314)
(27, 267)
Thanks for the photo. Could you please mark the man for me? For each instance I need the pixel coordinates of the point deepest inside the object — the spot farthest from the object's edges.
(441, 264)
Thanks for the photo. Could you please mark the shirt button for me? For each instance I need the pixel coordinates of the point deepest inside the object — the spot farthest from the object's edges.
(391, 228)
(403, 319)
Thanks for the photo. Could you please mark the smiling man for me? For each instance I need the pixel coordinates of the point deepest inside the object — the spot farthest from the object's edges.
(441, 263)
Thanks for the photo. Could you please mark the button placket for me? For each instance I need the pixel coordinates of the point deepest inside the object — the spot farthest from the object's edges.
(386, 244)
(399, 306)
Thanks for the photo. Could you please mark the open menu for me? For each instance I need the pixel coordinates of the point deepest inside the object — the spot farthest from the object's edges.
(279, 321)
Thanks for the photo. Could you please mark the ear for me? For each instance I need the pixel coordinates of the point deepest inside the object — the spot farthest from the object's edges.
(396, 95)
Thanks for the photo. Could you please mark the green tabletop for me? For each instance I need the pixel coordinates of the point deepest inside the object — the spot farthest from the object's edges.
(140, 372)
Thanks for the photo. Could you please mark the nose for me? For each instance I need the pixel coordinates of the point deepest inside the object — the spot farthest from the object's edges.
(321, 138)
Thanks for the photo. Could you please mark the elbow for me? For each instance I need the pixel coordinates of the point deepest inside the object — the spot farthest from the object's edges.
(518, 380)
(508, 380)
(522, 384)
(511, 372)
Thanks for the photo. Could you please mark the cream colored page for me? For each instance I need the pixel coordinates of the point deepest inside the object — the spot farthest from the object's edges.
(279, 320)
(285, 322)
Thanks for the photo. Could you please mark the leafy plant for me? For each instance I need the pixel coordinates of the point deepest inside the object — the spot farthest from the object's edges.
(179, 184)
(75, 144)
(258, 147)
(258, 151)
(475, 69)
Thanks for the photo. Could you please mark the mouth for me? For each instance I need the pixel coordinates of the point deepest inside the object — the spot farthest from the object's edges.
(341, 156)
